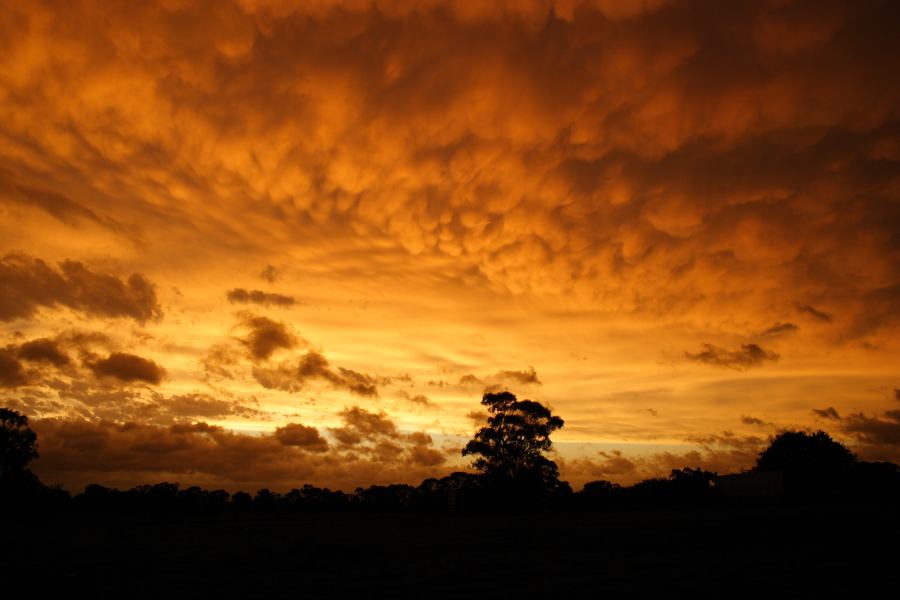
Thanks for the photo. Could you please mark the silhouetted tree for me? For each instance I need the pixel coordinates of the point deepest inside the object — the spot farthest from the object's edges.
(510, 450)
(814, 465)
(241, 502)
(18, 443)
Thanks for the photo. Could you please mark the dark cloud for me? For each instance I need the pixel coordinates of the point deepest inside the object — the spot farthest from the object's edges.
(242, 296)
(778, 329)
(313, 366)
(376, 434)
(896, 393)
(815, 313)
(27, 284)
(358, 383)
(749, 355)
(201, 406)
(421, 453)
(873, 431)
(748, 420)
(727, 439)
(12, 373)
(128, 368)
(266, 336)
(302, 436)
(83, 398)
(827, 413)
(43, 350)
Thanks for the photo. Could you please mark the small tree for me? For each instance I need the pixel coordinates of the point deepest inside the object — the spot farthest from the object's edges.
(18, 443)
(510, 450)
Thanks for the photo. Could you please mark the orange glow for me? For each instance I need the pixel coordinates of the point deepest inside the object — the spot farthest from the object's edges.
(678, 229)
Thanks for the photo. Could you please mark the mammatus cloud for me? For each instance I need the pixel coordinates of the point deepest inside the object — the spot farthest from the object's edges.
(27, 284)
(635, 173)
(128, 368)
(827, 413)
(242, 296)
(749, 355)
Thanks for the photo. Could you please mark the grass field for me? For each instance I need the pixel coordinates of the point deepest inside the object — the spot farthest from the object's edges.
(800, 551)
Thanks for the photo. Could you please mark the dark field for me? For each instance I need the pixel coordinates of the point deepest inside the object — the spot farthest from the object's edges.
(801, 551)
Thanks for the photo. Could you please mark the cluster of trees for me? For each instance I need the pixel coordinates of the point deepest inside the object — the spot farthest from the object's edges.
(512, 474)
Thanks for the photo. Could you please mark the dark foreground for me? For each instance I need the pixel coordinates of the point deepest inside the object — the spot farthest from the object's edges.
(801, 551)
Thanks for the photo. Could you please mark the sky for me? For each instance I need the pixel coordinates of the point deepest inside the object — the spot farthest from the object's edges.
(262, 243)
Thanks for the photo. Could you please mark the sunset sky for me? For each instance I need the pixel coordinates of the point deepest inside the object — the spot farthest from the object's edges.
(267, 243)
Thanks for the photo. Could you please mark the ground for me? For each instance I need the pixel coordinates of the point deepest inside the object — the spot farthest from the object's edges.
(802, 551)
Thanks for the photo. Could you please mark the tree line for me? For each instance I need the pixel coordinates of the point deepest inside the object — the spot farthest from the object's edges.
(512, 473)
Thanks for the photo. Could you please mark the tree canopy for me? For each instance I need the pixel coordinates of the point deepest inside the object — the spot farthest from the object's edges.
(815, 466)
(511, 448)
(800, 451)
(17, 443)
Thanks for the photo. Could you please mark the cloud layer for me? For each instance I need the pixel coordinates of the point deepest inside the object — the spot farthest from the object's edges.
(257, 213)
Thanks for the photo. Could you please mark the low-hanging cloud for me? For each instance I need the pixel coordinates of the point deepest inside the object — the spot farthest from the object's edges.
(75, 452)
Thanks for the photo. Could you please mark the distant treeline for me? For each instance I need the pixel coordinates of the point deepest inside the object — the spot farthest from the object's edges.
(458, 493)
